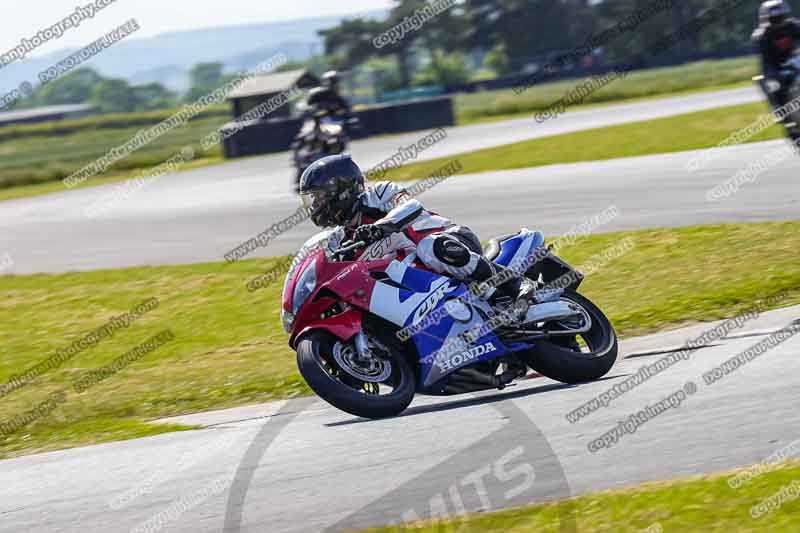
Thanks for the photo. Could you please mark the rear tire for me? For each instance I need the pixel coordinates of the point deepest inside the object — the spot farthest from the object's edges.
(314, 353)
(556, 360)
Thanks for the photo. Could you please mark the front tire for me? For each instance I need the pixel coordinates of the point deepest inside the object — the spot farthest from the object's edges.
(559, 358)
(332, 383)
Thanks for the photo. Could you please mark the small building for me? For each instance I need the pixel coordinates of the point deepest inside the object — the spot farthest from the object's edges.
(44, 114)
(259, 89)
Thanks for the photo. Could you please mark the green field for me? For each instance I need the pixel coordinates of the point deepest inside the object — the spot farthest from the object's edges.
(229, 348)
(693, 131)
(703, 75)
(36, 158)
(706, 504)
(33, 158)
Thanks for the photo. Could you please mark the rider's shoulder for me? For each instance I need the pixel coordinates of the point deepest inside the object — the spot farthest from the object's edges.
(384, 191)
(318, 94)
(759, 33)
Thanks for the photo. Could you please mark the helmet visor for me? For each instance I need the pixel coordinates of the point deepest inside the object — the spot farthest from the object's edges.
(319, 202)
(314, 200)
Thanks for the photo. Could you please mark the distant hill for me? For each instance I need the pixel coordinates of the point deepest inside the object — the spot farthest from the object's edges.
(167, 58)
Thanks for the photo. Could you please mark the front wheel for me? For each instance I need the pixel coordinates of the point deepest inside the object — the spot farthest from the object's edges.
(577, 358)
(375, 388)
(792, 121)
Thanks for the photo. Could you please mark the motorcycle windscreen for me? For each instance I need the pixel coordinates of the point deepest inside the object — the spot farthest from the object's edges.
(316, 242)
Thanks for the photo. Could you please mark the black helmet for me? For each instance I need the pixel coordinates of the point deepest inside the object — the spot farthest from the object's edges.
(331, 187)
(330, 79)
(774, 12)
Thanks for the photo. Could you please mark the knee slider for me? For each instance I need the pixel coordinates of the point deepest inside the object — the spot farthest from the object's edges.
(451, 252)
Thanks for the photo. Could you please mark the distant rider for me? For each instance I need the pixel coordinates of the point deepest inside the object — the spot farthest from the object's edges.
(326, 97)
(334, 188)
(776, 37)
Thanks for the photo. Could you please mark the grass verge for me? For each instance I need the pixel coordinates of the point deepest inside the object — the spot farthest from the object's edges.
(668, 81)
(46, 187)
(34, 159)
(693, 131)
(704, 503)
(230, 349)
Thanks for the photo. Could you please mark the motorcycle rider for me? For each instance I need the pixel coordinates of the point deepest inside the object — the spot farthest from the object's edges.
(776, 38)
(327, 100)
(335, 190)
(326, 96)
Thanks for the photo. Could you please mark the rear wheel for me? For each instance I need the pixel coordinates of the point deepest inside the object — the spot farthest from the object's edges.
(577, 358)
(370, 388)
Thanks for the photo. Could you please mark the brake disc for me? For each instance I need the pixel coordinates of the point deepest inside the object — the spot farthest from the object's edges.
(346, 357)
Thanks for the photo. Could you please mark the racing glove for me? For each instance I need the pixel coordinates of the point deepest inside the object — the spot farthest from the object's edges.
(369, 234)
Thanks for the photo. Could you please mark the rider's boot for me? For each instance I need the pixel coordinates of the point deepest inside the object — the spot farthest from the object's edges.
(501, 287)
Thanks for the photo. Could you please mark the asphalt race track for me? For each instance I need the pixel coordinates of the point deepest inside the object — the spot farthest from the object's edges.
(199, 215)
(313, 468)
(303, 466)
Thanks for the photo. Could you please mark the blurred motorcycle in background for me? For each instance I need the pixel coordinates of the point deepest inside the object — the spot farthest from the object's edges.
(789, 76)
(323, 133)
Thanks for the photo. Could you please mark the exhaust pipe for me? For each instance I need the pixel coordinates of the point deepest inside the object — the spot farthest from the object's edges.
(471, 380)
(549, 311)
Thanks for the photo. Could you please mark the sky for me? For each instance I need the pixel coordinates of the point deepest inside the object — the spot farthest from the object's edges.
(25, 18)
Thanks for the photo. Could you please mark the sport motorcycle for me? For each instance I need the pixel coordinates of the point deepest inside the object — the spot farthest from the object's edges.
(373, 330)
(321, 135)
(790, 73)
